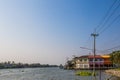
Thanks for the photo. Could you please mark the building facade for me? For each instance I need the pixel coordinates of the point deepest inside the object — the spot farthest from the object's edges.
(89, 62)
(82, 62)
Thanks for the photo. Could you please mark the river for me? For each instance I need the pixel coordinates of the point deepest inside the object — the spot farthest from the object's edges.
(44, 74)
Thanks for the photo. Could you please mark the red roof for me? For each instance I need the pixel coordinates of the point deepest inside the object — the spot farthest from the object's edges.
(96, 56)
(85, 56)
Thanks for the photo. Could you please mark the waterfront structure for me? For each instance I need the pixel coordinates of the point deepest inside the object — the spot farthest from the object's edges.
(99, 61)
(81, 62)
(107, 61)
(87, 62)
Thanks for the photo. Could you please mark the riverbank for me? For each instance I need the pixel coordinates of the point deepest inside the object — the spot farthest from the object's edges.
(12, 65)
(114, 72)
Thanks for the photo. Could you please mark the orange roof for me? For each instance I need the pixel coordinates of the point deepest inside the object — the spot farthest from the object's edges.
(105, 56)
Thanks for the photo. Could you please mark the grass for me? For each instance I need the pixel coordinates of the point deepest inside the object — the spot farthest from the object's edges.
(84, 73)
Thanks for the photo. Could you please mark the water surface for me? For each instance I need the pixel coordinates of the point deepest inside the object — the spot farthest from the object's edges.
(44, 74)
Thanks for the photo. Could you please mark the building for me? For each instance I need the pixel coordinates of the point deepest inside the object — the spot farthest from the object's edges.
(99, 61)
(82, 62)
(89, 62)
(107, 61)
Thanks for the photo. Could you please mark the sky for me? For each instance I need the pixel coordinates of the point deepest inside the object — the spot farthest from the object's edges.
(52, 31)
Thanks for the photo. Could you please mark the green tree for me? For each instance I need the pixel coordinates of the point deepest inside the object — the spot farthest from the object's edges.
(115, 57)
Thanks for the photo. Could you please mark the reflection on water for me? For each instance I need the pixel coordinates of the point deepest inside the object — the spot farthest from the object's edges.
(44, 74)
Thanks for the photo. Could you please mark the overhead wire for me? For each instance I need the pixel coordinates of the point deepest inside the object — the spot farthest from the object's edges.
(110, 25)
(108, 18)
(103, 19)
(113, 40)
(102, 22)
(87, 42)
(112, 48)
(102, 26)
(116, 18)
(99, 25)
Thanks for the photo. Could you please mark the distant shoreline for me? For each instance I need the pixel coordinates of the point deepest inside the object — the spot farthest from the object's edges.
(13, 65)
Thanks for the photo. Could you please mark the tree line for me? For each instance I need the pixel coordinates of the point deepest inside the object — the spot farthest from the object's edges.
(9, 64)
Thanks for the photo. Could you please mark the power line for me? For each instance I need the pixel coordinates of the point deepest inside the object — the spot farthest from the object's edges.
(86, 48)
(116, 39)
(112, 48)
(90, 49)
(112, 41)
(106, 15)
(109, 24)
(87, 43)
(108, 18)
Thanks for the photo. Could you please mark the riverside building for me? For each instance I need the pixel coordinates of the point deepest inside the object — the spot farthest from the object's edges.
(87, 62)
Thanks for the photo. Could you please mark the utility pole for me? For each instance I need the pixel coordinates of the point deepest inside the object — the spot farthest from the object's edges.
(94, 52)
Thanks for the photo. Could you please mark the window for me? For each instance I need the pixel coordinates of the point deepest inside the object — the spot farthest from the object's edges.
(86, 65)
(80, 59)
(81, 66)
(96, 59)
(90, 59)
(85, 59)
(101, 59)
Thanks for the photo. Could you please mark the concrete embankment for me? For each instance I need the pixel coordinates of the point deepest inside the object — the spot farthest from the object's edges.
(113, 72)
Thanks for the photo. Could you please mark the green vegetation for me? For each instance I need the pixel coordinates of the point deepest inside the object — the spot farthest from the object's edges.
(70, 64)
(84, 73)
(9, 64)
(115, 58)
(116, 69)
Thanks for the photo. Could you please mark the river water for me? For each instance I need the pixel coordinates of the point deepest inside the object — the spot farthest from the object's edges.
(44, 74)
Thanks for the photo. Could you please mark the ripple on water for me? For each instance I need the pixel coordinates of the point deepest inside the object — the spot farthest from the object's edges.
(43, 74)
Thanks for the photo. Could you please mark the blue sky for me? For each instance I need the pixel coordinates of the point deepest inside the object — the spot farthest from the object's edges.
(50, 31)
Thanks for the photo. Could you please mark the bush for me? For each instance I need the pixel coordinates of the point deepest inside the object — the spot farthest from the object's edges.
(84, 73)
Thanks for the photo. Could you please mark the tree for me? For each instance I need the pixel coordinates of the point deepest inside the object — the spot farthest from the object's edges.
(115, 57)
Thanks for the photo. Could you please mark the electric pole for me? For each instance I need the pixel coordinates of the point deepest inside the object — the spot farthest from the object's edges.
(94, 52)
